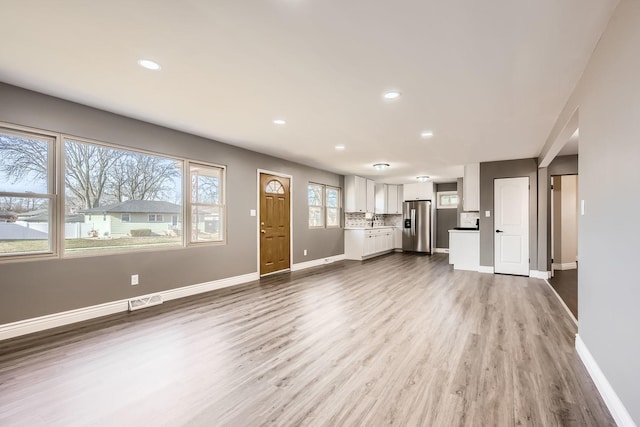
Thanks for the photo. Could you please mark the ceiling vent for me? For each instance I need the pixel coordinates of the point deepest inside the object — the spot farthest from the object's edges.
(145, 301)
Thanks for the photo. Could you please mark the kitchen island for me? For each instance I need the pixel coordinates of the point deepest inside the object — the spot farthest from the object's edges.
(464, 249)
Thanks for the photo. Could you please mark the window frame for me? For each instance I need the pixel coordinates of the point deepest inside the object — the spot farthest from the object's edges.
(441, 194)
(321, 206)
(187, 219)
(324, 207)
(128, 215)
(337, 208)
(61, 179)
(52, 194)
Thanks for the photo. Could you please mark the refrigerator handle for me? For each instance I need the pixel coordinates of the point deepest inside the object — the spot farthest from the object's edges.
(413, 221)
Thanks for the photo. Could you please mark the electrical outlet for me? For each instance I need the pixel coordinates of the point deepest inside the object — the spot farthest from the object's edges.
(134, 279)
(305, 252)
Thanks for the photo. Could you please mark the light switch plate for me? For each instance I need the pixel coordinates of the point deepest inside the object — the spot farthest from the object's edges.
(487, 214)
(582, 207)
(252, 212)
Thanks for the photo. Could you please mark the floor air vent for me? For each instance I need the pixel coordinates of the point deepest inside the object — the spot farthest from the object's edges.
(145, 301)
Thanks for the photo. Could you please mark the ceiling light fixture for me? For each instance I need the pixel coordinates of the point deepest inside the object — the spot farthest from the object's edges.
(392, 94)
(340, 147)
(423, 178)
(381, 166)
(149, 64)
(279, 122)
(426, 134)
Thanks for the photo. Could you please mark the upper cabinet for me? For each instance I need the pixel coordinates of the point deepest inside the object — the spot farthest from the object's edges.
(471, 187)
(388, 199)
(359, 194)
(371, 196)
(418, 191)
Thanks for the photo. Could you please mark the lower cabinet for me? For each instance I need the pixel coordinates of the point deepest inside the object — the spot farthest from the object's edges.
(365, 243)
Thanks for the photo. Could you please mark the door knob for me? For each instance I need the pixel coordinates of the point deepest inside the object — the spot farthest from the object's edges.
(499, 231)
(262, 231)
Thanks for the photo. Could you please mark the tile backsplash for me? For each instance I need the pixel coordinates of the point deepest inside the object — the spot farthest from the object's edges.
(358, 220)
(468, 219)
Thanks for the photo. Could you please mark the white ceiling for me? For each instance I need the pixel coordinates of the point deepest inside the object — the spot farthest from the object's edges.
(488, 77)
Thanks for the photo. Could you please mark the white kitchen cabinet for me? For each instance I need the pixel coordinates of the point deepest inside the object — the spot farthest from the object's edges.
(364, 243)
(359, 194)
(464, 249)
(471, 187)
(397, 238)
(392, 199)
(388, 199)
(418, 191)
(371, 195)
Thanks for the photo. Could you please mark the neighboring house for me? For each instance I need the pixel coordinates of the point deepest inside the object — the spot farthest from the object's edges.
(119, 219)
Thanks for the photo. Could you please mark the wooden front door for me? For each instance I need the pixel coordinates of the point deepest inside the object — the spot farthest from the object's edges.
(274, 223)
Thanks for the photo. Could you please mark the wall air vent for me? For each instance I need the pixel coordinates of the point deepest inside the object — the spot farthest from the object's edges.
(145, 301)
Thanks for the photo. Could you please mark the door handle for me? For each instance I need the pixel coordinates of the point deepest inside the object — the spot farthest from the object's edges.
(499, 231)
(262, 231)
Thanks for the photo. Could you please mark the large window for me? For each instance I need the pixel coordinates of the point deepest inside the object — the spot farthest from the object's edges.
(324, 206)
(207, 203)
(115, 199)
(118, 199)
(27, 198)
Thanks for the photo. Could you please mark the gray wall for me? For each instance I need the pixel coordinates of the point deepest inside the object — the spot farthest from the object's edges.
(609, 183)
(36, 288)
(564, 165)
(445, 218)
(507, 169)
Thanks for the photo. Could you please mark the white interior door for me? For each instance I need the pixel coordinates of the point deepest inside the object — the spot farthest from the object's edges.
(511, 222)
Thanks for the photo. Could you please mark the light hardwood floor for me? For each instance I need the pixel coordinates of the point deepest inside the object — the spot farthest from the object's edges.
(400, 339)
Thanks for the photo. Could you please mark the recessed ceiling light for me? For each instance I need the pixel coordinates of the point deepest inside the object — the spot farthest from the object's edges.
(149, 64)
(279, 122)
(392, 94)
(426, 134)
(340, 147)
(381, 166)
(423, 178)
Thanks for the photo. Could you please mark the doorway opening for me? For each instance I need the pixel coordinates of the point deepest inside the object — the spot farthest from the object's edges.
(274, 227)
(564, 239)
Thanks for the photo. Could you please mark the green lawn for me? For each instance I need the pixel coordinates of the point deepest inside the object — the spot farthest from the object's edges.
(78, 245)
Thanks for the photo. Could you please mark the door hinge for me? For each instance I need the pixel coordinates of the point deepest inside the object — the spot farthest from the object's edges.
(552, 186)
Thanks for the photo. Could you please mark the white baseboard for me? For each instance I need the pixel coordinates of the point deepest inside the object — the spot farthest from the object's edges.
(200, 288)
(485, 269)
(316, 262)
(611, 399)
(564, 266)
(539, 274)
(441, 250)
(36, 324)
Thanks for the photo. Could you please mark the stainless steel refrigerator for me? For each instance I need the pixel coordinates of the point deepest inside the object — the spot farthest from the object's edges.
(416, 231)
